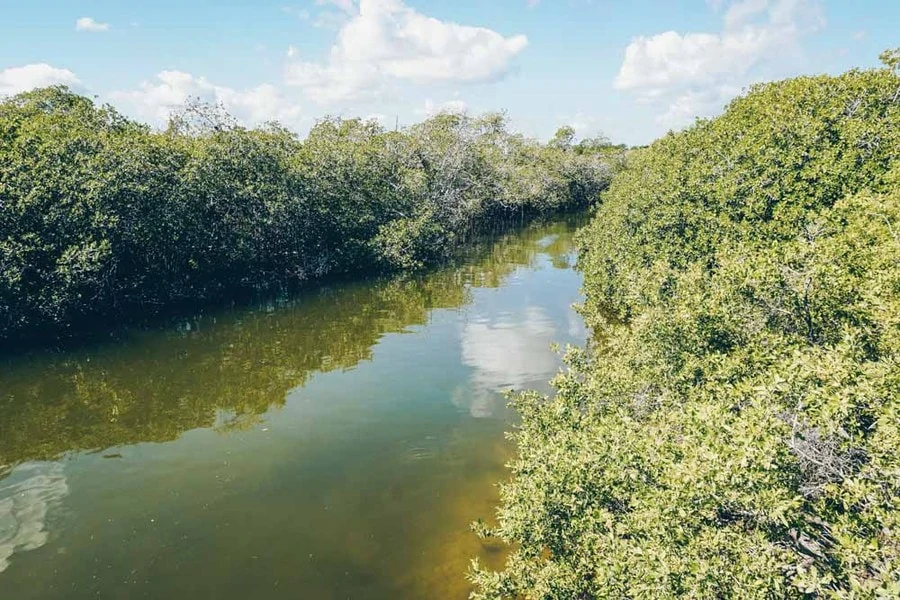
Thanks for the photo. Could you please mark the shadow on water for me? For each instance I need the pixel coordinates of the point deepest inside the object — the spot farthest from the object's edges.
(298, 451)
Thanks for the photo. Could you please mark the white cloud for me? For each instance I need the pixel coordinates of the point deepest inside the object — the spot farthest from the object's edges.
(689, 105)
(385, 41)
(155, 100)
(89, 24)
(510, 353)
(695, 73)
(432, 108)
(743, 12)
(21, 79)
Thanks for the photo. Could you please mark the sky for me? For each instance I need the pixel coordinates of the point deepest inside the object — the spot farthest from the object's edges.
(627, 69)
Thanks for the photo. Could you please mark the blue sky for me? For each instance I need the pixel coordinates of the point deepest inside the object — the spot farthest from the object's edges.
(630, 70)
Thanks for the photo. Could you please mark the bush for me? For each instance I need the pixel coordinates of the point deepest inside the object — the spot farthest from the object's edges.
(731, 431)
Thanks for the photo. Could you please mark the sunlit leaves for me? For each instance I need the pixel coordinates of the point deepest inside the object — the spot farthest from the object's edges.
(732, 432)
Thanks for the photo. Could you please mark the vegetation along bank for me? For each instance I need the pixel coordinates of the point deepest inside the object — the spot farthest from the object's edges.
(733, 429)
(103, 219)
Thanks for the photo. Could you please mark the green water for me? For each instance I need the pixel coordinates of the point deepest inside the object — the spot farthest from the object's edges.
(334, 445)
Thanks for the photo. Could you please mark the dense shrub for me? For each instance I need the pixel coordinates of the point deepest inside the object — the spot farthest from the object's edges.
(103, 217)
(732, 431)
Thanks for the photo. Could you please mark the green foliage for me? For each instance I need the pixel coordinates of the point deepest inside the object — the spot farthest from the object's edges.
(101, 217)
(732, 430)
(891, 59)
(564, 137)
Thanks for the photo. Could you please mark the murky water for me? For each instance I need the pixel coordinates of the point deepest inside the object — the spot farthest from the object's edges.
(336, 445)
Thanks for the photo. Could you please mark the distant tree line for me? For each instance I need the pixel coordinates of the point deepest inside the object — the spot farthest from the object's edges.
(102, 217)
(732, 430)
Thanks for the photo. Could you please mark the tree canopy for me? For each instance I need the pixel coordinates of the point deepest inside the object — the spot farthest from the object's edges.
(104, 218)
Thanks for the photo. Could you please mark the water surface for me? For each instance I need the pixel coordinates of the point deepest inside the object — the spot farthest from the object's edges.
(332, 445)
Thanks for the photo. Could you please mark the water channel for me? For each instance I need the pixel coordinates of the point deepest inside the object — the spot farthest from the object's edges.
(335, 444)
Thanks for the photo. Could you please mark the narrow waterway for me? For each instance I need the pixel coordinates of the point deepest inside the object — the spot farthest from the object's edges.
(332, 445)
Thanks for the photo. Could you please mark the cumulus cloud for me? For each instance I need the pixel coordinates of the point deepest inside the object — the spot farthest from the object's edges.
(154, 101)
(693, 74)
(89, 24)
(386, 41)
(21, 79)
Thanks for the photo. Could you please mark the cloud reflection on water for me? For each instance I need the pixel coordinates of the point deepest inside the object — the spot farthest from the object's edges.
(26, 498)
(513, 352)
